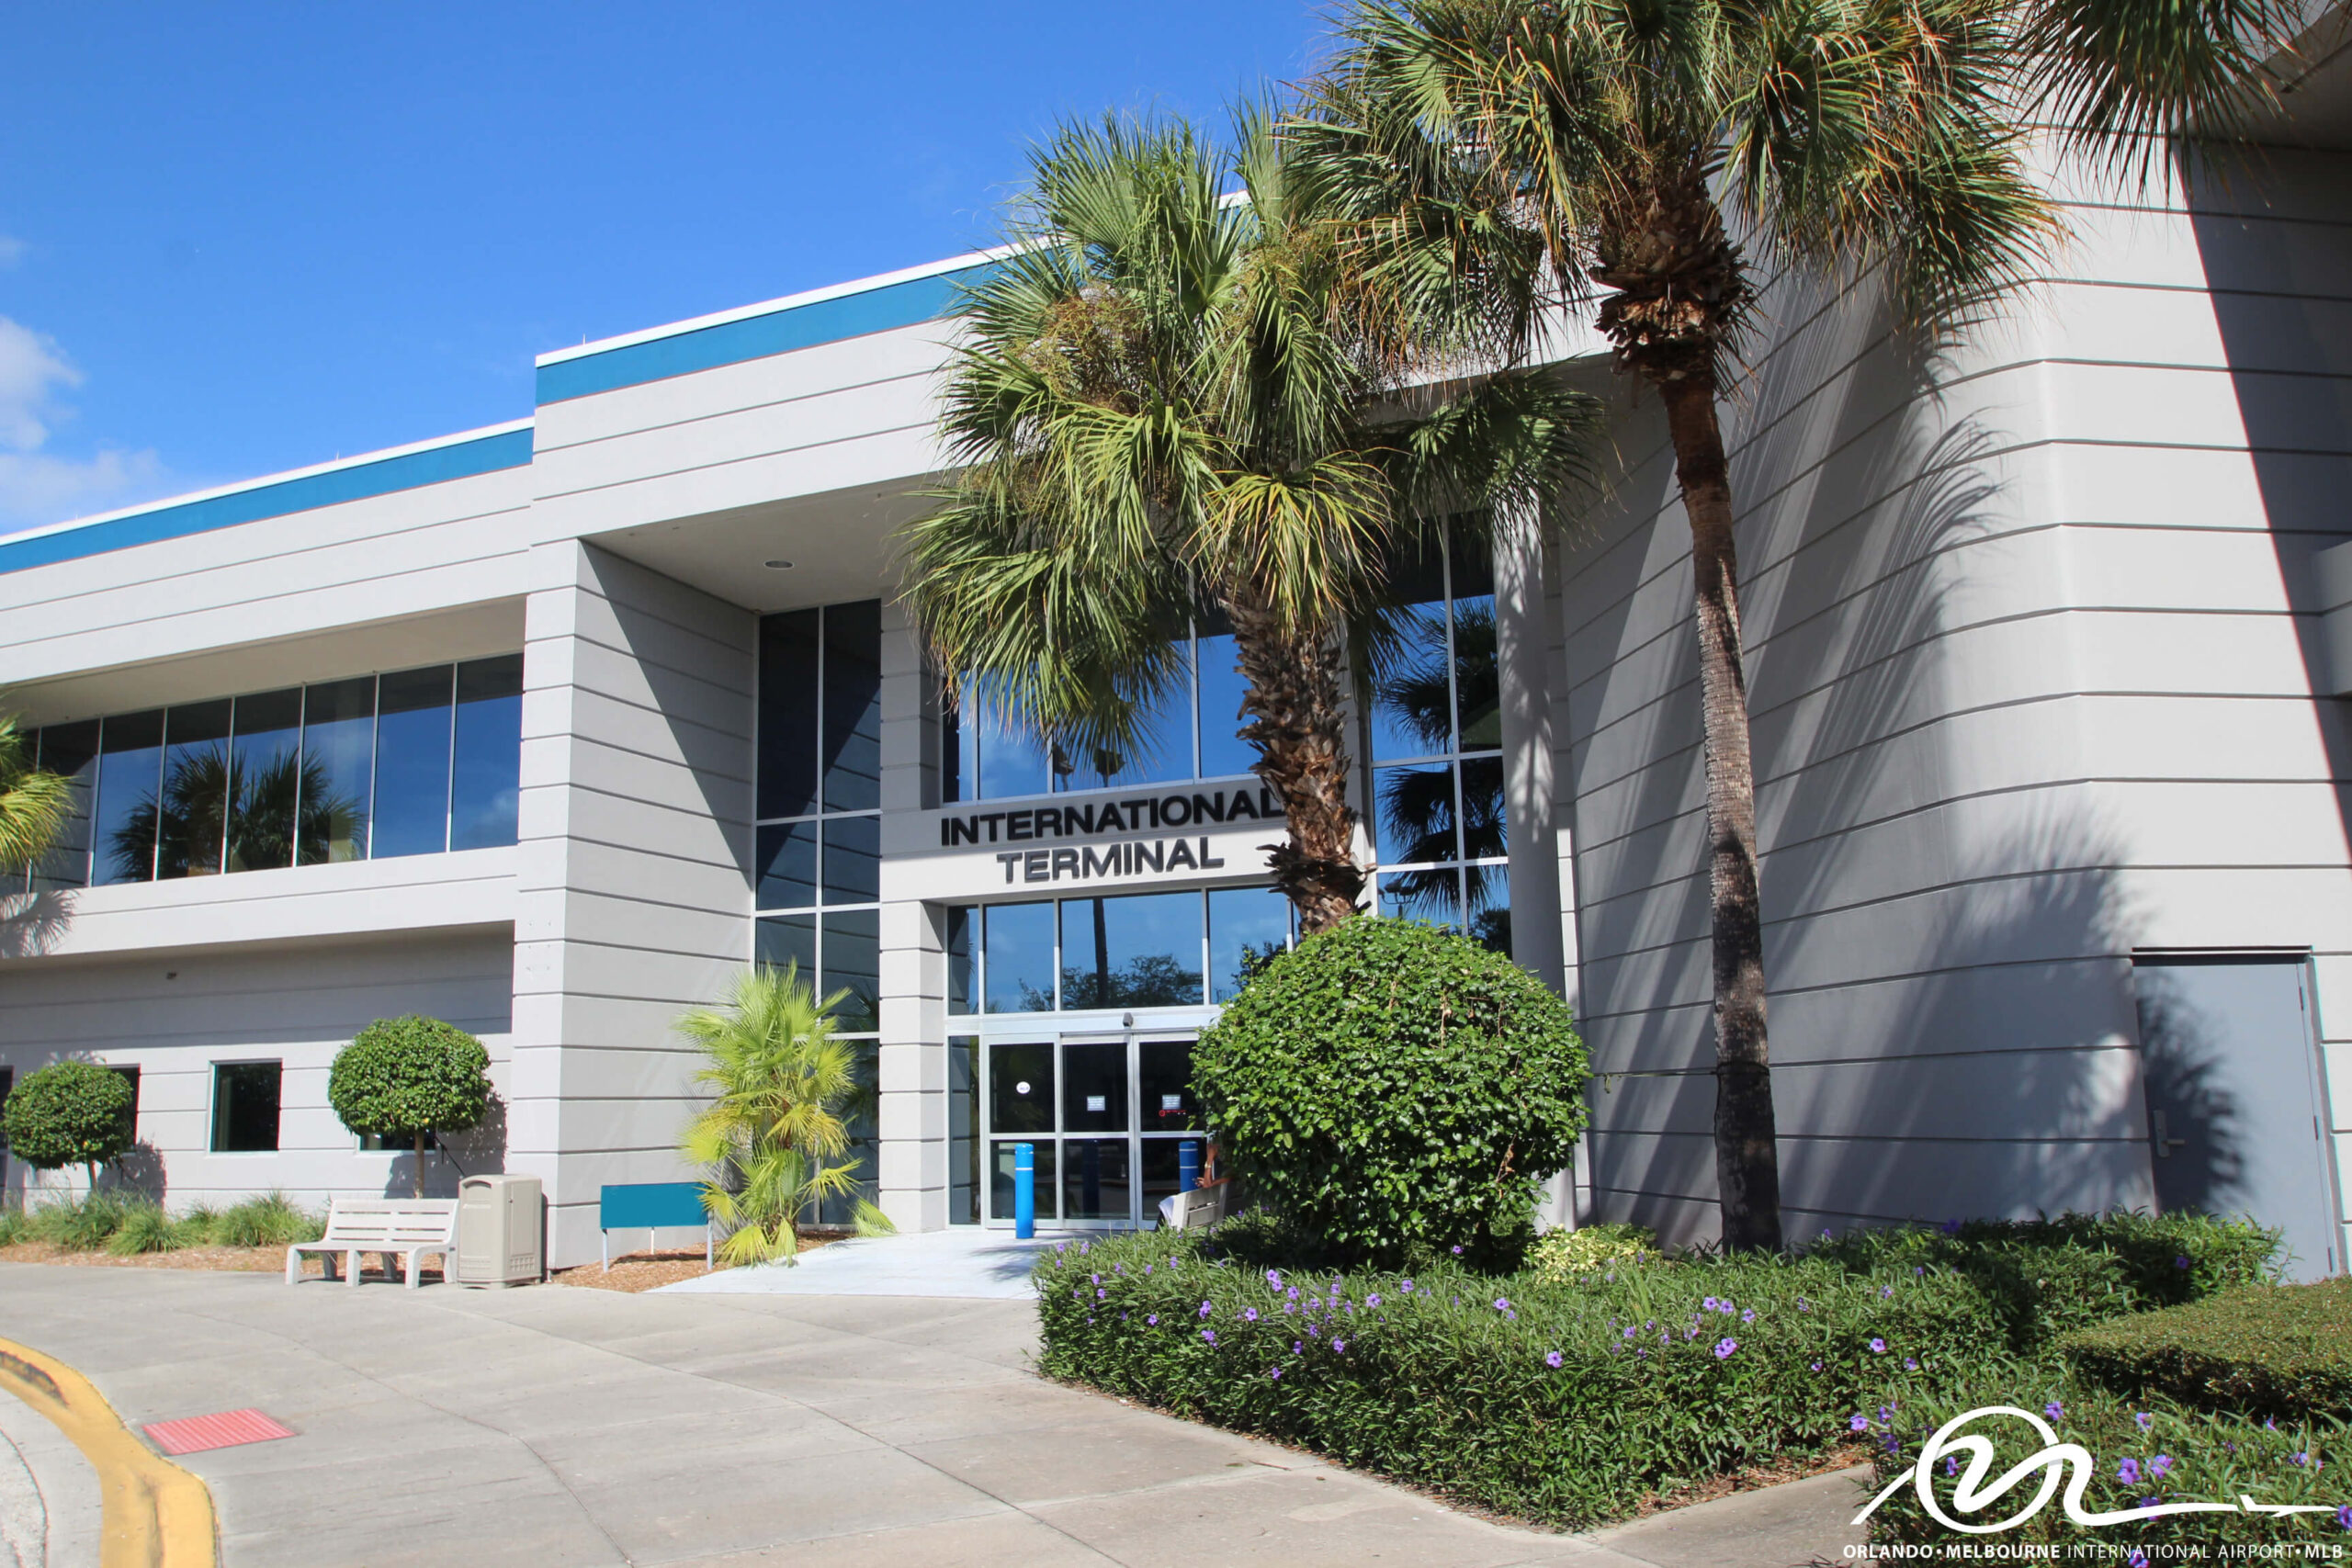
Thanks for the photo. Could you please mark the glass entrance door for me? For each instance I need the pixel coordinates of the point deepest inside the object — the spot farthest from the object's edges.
(1107, 1115)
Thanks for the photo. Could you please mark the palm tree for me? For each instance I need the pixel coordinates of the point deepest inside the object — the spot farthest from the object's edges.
(33, 804)
(775, 1135)
(1512, 161)
(1168, 403)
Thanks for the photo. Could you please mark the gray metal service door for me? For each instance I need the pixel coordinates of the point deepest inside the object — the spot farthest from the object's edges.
(2231, 1067)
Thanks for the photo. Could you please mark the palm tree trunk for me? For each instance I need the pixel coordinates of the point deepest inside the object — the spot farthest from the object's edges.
(1748, 1165)
(1297, 719)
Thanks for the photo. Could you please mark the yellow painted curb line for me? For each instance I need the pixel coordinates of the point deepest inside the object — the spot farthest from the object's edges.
(153, 1514)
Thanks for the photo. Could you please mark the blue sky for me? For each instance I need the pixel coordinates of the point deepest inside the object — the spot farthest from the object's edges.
(240, 239)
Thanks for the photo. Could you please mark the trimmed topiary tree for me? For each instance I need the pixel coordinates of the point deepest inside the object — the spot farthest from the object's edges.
(1392, 1090)
(71, 1114)
(410, 1077)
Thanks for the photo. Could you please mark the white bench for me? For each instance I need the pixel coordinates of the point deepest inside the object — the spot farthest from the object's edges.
(410, 1228)
(1200, 1208)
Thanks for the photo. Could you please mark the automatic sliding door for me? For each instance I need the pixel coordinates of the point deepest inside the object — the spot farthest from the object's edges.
(1020, 1110)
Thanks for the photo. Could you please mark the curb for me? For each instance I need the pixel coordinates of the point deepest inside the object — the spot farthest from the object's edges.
(154, 1514)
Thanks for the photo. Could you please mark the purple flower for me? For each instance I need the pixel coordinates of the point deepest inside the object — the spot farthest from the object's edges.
(1951, 1465)
(1289, 1306)
(2158, 1465)
(1275, 1374)
(1101, 1295)
(1153, 1321)
(1816, 1365)
(2144, 1418)
(1341, 1346)
(2299, 1459)
(2181, 1262)
(2343, 1516)
(1878, 1346)
(1372, 1301)
(1249, 1314)
(1502, 1304)
(1887, 1292)
(1209, 1335)
(1803, 1305)
(1293, 1293)
(1628, 1333)
(1910, 1365)
(1147, 1268)
(2138, 1559)
(1404, 1284)
(1747, 1316)
(1551, 1360)
(1274, 1279)
(2055, 1410)
(1950, 1227)
(2128, 1472)
(1204, 1309)
(1094, 1278)
(1708, 1304)
(1859, 1424)
(1644, 1353)
(1297, 1348)
(1457, 1252)
(1724, 1348)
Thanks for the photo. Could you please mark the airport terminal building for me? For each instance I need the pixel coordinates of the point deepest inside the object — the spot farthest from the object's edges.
(550, 728)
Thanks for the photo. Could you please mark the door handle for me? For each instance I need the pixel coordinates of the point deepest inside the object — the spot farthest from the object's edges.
(2162, 1144)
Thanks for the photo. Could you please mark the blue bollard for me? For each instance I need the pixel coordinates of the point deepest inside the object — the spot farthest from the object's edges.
(1024, 1190)
(1188, 1165)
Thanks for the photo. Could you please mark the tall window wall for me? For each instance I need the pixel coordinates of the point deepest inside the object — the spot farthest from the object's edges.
(1136, 949)
(413, 761)
(1190, 735)
(817, 849)
(1433, 734)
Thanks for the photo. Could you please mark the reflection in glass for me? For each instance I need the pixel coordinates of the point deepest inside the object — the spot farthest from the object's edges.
(70, 751)
(1489, 893)
(1001, 1180)
(131, 771)
(1412, 712)
(1486, 832)
(1139, 950)
(339, 747)
(1416, 814)
(1432, 895)
(852, 960)
(852, 860)
(1094, 1179)
(994, 759)
(485, 777)
(963, 1130)
(1248, 925)
(1162, 1160)
(1162, 750)
(1017, 965)
(266, 786)
(193, 811)
(787, 763)
(1094, 1087)
(852, 740)
(960, 922)
(786, 855)
(244, 1107)
(1477, 684)
(1164, 1077)
(786, 941)
(1223, 751)
(1021, 1088)
(859, 1112)
(413, 762)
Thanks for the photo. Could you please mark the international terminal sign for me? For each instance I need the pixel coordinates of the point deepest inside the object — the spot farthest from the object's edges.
(1137, 837)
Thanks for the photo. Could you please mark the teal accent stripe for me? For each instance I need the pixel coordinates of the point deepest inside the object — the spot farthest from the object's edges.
(439, 465)
(904, 304)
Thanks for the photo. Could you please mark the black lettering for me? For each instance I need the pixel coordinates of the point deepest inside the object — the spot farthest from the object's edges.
(1049, 821)
(1033, 866)
(1065, 859)
(1181, 855)
(1077, 819)
(1136, 814)
(992, 819)
(1106, 820)
(1240, 807)
(1167, 818)
(1267, 805)
(1206, 864)
(1009, 859)
(1107, 864)
(1140, 853)
(1208, 808)
(1016, 825)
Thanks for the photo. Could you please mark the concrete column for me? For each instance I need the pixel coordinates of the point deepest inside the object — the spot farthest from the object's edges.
(912, 1111)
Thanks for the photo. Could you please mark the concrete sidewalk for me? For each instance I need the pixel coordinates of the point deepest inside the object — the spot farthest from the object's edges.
(963, 1260)
(558, 1426)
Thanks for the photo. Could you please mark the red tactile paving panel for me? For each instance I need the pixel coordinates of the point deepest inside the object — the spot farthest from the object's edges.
(194, 1434)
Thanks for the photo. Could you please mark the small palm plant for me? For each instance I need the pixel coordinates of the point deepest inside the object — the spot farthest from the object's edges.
(774, 1136)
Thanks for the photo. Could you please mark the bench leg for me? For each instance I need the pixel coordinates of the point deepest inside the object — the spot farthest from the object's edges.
(415, 1263)
(351, 1268)
(293, 1265)
(326, 1261)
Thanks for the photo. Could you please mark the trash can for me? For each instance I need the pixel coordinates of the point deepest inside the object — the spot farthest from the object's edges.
(499, 1226)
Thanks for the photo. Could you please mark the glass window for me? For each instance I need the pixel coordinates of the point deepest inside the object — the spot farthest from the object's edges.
(852, 860)
(960, 921)
(265, 780)
(1143, 949)
(963, 1130)
(194, 822)
(1223, 751)
(1094, 1087)
(1161, 750)
(130, 1077)
(70, 751)
(860, 1111)
(1021, 1087)
(785, 940)
(786, 852)
(1000, 1158)
(131, 771)
(853, 683)
(1412, 711)
(1434, 895)
(850, 960)
(1017, 963)
(997, 760)
(244, 1107)
(486, 775)
(1246, 927)
(1165, 1080)
(1488, 900)
(413, 762)
(787, 762)
(338, 769)
(1094, 1179)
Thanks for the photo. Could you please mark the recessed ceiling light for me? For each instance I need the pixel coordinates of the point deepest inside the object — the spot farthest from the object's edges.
(779, 566)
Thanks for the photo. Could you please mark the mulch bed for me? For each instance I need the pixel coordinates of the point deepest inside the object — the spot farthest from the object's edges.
(238, 1259)
(650, 1270)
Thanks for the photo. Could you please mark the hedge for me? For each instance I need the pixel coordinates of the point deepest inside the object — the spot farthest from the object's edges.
(1570, 1399)
(2143, 1451)
(2274, 1351)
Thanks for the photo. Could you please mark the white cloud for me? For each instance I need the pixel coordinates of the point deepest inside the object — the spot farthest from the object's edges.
(12, 250)
(39, 486)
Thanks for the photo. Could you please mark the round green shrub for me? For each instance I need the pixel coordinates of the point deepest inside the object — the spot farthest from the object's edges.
(409, 1077)
(1392, 1090)
(71, 1114)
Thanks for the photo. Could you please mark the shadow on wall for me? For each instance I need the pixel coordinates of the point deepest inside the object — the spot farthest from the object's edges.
(449, 1160)
(2279, 281)
(1950, 1016)
(32, 923)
